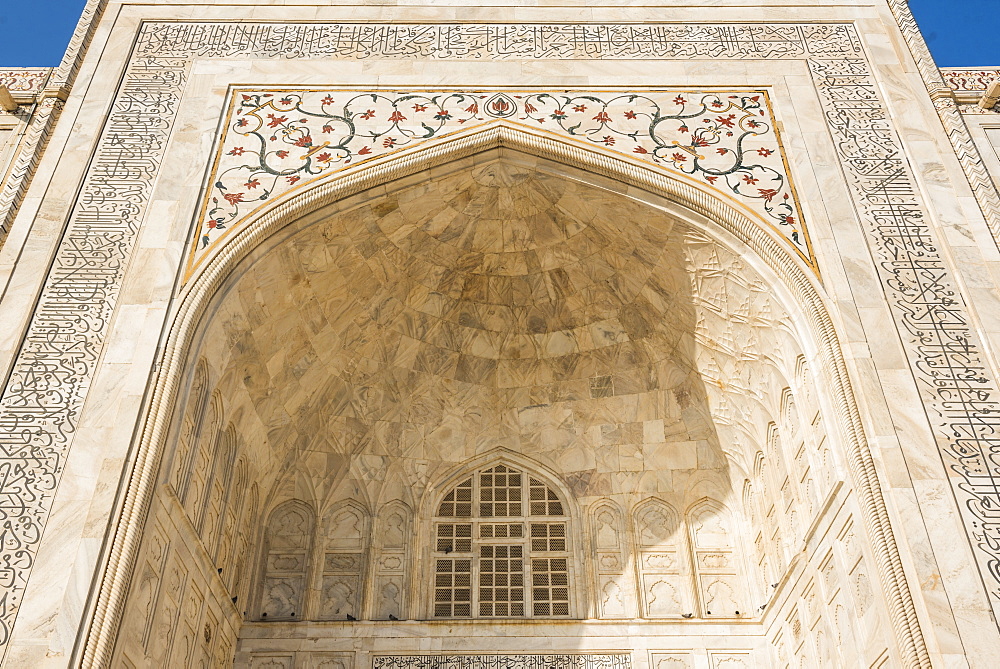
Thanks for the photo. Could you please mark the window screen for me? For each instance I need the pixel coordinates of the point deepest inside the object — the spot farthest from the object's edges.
(501, 548)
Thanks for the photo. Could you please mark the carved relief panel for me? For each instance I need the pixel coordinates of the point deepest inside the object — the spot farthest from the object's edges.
(391, 558)
(615, 594)
(286, 562)
(345, 536)
(664, 576)
(220, 481)
(716, 563)
(201, 460)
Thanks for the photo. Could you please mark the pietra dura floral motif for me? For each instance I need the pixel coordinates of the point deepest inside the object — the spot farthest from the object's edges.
(277, 141)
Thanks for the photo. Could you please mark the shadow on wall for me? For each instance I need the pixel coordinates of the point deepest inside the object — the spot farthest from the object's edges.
(499, 307)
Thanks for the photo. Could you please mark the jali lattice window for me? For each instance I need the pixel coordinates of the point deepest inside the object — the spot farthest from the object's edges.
(501, 548)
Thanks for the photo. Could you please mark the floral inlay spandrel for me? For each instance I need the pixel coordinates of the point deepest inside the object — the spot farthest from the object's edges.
(277, 141)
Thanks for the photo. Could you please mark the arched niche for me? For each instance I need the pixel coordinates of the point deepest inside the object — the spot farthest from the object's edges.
(723, 267)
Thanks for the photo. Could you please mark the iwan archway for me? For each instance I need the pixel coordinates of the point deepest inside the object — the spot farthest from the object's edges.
(503, 396)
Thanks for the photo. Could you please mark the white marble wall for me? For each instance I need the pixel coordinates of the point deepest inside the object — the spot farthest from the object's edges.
(951, 605)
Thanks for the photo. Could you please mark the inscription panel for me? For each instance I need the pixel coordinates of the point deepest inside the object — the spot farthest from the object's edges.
(553, 661)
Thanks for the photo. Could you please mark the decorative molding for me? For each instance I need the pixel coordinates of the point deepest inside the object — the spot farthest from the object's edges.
(54, 368)
(548, 661)
(983, 187)
(279, 141)
(960, 80)
(53, 89)
(33, 145)
(25, 80)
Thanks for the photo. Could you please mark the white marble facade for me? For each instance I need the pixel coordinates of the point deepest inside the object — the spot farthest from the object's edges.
(521, 335)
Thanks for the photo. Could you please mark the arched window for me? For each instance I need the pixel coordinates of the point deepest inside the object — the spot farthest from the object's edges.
(501, 548)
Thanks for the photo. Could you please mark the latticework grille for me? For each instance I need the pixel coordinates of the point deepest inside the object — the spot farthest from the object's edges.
(548, 537)
(454, 537)
(501, 581)
(550, 586)
(453, 588)
(500, 493)
(544, 501)
(482, 566)
(458, 502)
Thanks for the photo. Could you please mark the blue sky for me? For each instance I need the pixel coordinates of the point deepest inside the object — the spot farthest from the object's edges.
(959, 32)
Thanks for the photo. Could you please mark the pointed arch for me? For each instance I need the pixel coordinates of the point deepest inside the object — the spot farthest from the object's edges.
(502, 543)
(239, 583)
(612, 550)
(719, 571)
(662, 560)
(392, 561)
(218, 484)
(233, 506)
(284, 580)
(199, 471)
(792, 283)
(342, 560)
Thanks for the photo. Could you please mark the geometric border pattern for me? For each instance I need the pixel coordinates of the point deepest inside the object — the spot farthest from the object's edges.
(42, 399)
